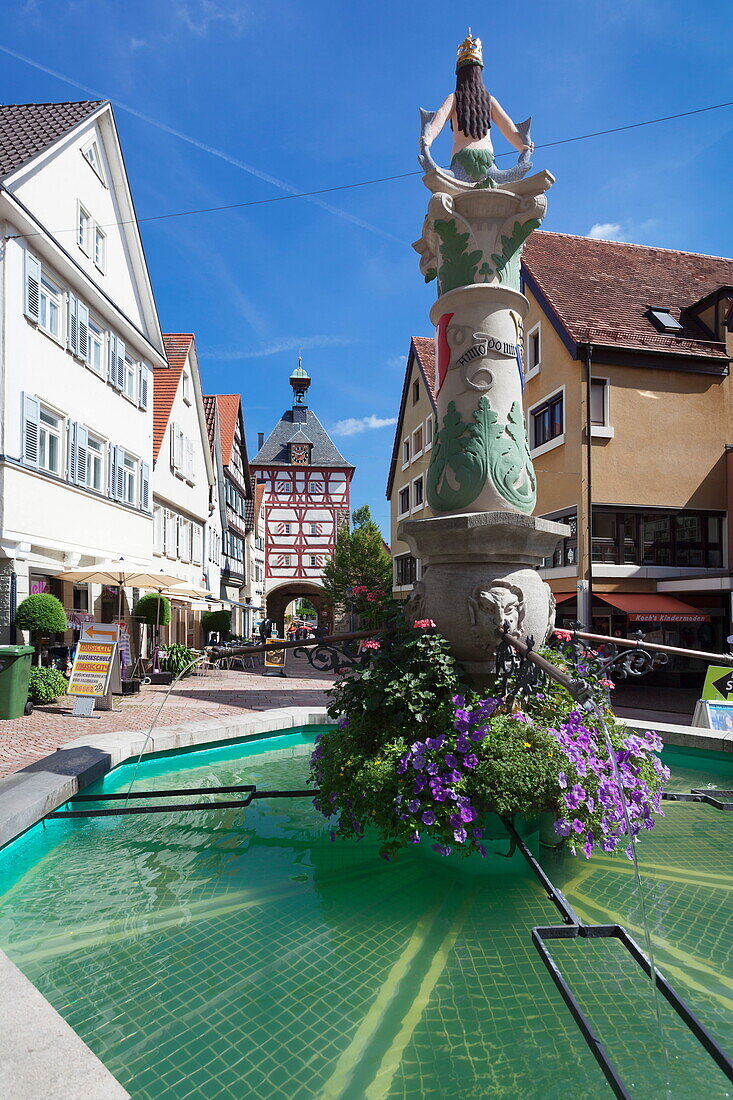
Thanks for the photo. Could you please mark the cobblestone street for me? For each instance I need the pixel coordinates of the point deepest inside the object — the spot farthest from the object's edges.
(214, 694)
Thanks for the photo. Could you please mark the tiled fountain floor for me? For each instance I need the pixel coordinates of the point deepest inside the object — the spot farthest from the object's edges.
(213, 695)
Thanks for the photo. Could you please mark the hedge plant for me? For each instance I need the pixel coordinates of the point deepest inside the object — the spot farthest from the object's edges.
(217, 622)
(46, 685)
(153, 609)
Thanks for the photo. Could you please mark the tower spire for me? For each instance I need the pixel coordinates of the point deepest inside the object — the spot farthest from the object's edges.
(300, 381)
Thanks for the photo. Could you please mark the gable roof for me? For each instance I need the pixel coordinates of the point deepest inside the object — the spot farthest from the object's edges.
(422, 354)
(26, 129)
(228, 408)
(165, 384)
(275, 452)
(601, 290)
(211, 418)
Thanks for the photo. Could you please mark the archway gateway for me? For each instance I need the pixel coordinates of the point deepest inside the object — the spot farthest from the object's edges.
(281, 597)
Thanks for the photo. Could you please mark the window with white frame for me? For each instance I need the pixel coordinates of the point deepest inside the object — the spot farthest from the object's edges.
(285, 528)
(534, 350)
(157, 529)
(84, 229)
(49, 441)
(417, 440)
(599, 402)
(92, 157)
(428, 432)
(314, 528)
(315, 487)
(405, 452)
(130, 377)
(95, 347)
(548, 420)
(314, 560)
(100, 247)
(404, 500)
(417, 492)
(49, 307)
(96, 448)
(129, 479)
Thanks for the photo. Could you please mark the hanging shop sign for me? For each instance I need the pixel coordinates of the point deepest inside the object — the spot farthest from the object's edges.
(718, 683)
(94, 659)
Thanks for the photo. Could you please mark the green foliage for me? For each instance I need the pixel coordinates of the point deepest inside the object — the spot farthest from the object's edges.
(360, 561)
(46, 685)
(153, 609)
(41, 613)
(217, 622)
(459, 265)
(177, 659)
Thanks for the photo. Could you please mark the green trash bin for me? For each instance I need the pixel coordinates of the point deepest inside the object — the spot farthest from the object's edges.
(15, 674)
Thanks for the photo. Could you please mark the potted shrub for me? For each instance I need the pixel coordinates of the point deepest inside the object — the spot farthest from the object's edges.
(41, 614)
(217, 622)
(46, 685)
(177, 659)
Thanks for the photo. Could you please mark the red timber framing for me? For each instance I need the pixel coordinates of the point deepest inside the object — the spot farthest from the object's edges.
(304, 508)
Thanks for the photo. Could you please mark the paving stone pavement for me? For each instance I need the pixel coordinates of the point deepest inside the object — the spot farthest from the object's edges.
(214, 694)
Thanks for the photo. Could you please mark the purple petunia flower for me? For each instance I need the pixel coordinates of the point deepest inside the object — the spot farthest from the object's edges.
(413, 806)
(562, 827)
(578, 825)
(435, 743)
(442, 849)
(451, 761)
(468, 814)
(459, 835)
(477, 833)
(562, 780)
(428, 818)
(470, 760)
(415, 837)
(418, 763)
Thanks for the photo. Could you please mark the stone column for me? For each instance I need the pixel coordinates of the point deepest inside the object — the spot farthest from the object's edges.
(481, 550)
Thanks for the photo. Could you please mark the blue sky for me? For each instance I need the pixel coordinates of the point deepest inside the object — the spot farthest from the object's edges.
(321, 93)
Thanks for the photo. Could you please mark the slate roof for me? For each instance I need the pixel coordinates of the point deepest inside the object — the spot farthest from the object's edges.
(300, 437)
(600, 290)
(28, 128)
(165, 384)
(422, 353)
(274, 451)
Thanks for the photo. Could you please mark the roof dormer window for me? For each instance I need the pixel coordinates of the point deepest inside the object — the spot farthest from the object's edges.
(663, 320)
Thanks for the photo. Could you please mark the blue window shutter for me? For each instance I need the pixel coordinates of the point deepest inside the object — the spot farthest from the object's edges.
(82, 455)
(32, 286)
(83, 331)
(30, 428)
(71, 429)
(120, 468)
(112, 362)
(72, 335)
(112, 470)
(145, 486)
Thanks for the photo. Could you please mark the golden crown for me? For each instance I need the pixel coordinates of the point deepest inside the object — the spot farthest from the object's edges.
(470, 51)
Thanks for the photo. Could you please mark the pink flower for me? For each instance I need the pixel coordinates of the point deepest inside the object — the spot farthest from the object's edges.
(358, 589)
(372, 596)
(370, 643)
(423, 624)
(563, 635)
(608, 684)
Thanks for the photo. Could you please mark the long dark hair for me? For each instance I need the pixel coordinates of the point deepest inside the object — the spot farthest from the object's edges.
(473, 102)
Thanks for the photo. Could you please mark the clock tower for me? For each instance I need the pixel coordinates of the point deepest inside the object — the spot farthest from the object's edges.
(306, 484)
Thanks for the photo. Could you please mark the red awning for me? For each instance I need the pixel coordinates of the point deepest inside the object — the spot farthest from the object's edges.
(561, 597)
(642, 607)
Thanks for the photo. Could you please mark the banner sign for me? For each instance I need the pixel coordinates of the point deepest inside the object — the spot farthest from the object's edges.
(93, 660)
(718, 683)
(668, 617)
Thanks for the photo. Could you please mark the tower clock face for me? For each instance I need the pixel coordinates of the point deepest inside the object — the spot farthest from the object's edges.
(299, 454)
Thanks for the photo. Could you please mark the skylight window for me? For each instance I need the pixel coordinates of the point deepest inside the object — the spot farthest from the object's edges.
(663, 320)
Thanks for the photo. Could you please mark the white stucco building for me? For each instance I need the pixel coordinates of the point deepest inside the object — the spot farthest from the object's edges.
(186, 517)
(79, 340)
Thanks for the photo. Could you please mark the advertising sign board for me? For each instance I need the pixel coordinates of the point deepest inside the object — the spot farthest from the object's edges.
(94, 659)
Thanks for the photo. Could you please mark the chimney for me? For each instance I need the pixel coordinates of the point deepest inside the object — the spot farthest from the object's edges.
(260, 440)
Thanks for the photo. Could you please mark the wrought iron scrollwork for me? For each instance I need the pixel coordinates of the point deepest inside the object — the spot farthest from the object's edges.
(620, 662)
(519, 675)
(327, 657)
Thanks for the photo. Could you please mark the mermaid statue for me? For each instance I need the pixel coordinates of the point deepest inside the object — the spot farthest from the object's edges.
(471, 111)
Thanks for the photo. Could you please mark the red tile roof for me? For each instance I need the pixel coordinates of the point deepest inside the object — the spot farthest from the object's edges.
(425, 352)
(228, 407)
(259, 496)
(600, 290)
(210, 413)
(165, 383)
(422, 350)
(28, 128)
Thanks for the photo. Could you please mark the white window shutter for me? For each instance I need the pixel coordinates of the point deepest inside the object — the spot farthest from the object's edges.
(173, 445)
(83, 332)
(32, 286)
(120, 357)
(189, 459)
(112, 361)
(31, 426)
(144, 387)
(112, 470)
(198, 545)
(71, 451)
(82, 455)
(144, 486)
(72, 335)
(164, 531)
(178, 454)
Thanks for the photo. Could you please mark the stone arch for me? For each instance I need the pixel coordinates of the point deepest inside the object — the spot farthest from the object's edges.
(277, 600)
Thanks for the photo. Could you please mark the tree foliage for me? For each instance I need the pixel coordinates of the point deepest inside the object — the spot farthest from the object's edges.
(217, 622)
(153, 609)
(360, 560)
(41, 613)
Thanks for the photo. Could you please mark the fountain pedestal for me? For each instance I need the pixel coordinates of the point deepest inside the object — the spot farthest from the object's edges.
(482, 548)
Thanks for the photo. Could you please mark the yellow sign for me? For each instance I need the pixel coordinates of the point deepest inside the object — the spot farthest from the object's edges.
(94, 658)
(274, 658)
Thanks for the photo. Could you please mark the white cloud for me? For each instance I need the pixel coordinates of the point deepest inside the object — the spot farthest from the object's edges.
(199, 15)
(352, 425)
(397, 361)
(606, 231)
(295, 343)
